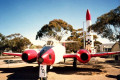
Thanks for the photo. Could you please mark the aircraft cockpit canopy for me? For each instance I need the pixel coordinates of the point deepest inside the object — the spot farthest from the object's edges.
(50, 42)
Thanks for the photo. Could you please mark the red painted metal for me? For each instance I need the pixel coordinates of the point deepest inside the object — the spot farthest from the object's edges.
(80, 57)
(70, 56)
(81, 54)
(104, 53)
(88, 16)
(48, 57)
(13, 54)
(32, 55)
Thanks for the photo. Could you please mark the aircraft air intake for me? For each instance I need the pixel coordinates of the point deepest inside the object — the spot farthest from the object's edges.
(83, 56)
(29, 56)
(24, 56)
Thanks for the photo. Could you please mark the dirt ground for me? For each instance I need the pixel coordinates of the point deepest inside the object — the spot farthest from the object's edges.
(96, 69)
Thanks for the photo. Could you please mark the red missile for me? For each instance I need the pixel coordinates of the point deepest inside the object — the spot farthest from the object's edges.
(88, 16)
(89, 39)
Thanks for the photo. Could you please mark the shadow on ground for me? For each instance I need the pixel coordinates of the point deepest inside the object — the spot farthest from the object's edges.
(32, 73)
(110, 61)
(117, 77)
(114, 63)
(29, 73)
(12, 61)
(78, 71)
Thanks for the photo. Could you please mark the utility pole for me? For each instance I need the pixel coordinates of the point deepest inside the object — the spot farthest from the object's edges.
(84, 34)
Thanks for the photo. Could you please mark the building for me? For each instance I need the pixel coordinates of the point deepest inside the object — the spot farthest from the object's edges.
(106, 47)
(111, 48)
(115, 47)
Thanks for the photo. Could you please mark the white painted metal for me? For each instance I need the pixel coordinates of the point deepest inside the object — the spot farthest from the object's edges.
(59, 51)
(89, 35)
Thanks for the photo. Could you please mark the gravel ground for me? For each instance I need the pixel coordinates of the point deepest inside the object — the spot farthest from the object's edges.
(96, 69)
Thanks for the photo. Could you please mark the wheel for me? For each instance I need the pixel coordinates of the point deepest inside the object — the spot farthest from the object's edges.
(43, 78)
(48, 68)
(116, 57)
(64, 60)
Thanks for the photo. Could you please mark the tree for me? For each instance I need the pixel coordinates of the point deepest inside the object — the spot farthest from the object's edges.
(76, 35)
(108, 25)
(96, 43)
(56, 28)
(3, 43)
(35, 47)
(17, 42)
(95, 37)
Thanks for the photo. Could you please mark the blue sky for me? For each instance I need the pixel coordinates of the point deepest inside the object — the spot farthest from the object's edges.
(28, 16)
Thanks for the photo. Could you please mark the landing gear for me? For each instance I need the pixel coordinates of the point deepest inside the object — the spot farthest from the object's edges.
(43, 78)
(116, 57)
(48, 68)
(75, 63)
(64, 60)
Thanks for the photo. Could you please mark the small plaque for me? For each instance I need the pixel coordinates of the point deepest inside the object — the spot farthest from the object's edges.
(43, 70)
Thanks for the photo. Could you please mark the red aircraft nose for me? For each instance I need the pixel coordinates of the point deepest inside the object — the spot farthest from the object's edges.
(47, 58)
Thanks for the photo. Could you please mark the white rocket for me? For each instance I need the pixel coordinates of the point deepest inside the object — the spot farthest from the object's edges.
(89, 35)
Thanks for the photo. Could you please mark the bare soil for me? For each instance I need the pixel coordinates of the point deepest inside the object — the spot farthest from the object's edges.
(96, 69)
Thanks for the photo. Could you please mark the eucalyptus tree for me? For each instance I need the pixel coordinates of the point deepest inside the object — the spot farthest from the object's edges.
(17, 42)
(3, 43)
(56, 28)
(108, 25)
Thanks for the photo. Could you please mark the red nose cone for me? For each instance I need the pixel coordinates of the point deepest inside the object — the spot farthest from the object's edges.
(88, 16)
(48, 57)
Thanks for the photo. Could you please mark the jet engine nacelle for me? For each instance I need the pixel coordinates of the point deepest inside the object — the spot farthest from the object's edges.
(29, 56)
(83, 56)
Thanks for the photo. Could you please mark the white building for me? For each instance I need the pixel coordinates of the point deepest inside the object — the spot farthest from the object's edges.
(106, 47)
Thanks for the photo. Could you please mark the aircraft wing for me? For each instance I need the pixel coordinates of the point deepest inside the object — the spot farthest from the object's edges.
(104, 53)
(92, 55)
(13, 54)
(70, 56)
